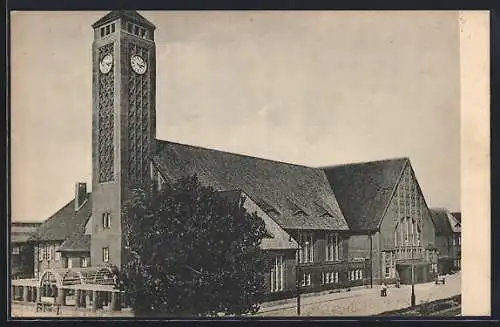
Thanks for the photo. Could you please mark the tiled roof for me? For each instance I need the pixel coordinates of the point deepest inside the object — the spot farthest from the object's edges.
(65, 222)
(78, 242)
(130, 14)
(21, 232)
(441, 221)
(455, 224)
(363, 190)
(282, 186)
(277, 238)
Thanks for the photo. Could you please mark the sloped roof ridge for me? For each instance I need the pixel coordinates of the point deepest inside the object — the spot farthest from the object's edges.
(364, 162)
(235, 154)
(394, 189)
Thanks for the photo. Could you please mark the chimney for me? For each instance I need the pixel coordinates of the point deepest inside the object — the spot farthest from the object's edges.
(80, 195)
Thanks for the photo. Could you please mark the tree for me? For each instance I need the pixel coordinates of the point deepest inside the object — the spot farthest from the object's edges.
(191, 251)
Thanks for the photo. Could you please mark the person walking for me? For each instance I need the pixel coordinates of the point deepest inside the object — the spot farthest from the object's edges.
(383, 291)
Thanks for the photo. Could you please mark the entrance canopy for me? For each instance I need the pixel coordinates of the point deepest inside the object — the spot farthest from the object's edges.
(77, 276)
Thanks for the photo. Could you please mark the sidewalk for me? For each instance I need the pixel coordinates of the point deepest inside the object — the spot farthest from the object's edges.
(365, 302)
(357, 302)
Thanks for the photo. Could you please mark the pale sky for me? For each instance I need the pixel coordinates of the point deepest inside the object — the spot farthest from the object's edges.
(310, 88)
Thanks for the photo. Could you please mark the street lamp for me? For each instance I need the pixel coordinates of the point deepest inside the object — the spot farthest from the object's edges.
(412, 270)
(297, 280)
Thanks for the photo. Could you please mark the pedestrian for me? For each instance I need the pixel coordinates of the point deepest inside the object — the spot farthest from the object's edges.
(383, 292)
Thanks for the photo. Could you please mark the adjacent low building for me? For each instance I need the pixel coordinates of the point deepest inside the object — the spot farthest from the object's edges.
(21, 258)
(63, 240)
(448, 240)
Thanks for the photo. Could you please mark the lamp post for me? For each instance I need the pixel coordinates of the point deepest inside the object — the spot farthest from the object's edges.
(412, 272)
(297, 280)
(297, 271)
(371, 259)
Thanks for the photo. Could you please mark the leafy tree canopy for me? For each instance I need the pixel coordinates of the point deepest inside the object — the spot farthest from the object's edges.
(190, 251)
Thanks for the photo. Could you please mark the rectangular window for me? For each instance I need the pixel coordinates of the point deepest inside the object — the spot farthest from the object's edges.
(105, 254)
(40, 253)
(330, 277)
(277, 275)
(113, 28)
(136, 30)
(102, 31)
(70, 263)
(306, 280)
(106, 220)
(459, 240)
(332, 247)
(389, 265)
(15, 250)
(84, 262)
(306, 252)
(57, 255)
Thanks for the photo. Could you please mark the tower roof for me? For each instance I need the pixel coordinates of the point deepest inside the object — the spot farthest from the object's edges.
(131, 15)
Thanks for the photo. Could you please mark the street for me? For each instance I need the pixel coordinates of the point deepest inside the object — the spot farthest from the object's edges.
(366, 302)
(359, 302)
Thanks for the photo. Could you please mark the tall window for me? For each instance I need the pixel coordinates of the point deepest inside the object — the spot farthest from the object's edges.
(306, 252)
(70, 263)
(389, 266)
(277, 275)
(407, 233)
(105, 254)
(40, 253)
(15, 250)
(84, 262)
(459, 240)
(306, 279)
(332, 247)
(57, 255)
(106, 220)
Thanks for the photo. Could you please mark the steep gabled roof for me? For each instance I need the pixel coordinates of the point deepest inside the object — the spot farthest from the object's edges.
(363, 190)
(275, 183)
(131, 15)
(65, 222)
(276, 237)
(440, 217)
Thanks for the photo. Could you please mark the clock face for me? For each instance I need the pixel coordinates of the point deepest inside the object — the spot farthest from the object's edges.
(138, 64)
(106, 63)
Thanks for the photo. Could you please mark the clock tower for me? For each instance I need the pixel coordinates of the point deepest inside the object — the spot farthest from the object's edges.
(123, 124)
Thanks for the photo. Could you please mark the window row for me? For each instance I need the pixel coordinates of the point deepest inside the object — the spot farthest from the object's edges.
(137, 30)
(84, 262)
(331, 277)
(107, 29)
(356, 274)
(407, 232)
(49, 253)
(333, 249)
